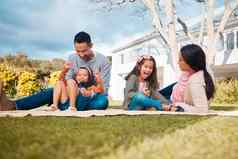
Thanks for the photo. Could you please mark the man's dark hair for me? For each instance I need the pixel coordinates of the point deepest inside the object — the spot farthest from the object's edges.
(82, 37)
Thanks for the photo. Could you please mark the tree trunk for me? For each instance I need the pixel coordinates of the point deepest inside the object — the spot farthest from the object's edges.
(228, 11)
(210, 32)
(156, 22)
(203, 21)
(170, 12)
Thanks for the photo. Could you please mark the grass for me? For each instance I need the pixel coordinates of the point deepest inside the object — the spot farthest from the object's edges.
(225, 107)
(213, 106)
(64, 137)
(115, 103)
(214, 138)
(120, 136)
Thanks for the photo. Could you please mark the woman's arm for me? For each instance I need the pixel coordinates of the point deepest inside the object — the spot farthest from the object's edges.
(198, 97)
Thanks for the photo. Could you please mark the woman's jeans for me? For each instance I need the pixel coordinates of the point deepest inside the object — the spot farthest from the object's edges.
(142, 102)
(98, 101)
(167, 91)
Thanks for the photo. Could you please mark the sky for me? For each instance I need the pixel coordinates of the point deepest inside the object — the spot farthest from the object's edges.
(45, 29)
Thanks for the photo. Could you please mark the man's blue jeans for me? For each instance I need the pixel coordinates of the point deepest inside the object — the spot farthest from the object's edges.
(36, 100)
(99, 101)
(142, 102)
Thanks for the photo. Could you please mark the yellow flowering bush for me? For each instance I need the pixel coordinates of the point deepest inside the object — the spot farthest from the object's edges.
(54, 76)
(226, 92)
(9, 77)
(27, 84)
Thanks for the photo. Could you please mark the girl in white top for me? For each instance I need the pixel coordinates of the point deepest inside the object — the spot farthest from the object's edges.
(193, 94)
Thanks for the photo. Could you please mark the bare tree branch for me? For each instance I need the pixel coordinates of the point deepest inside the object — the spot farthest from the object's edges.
(184, 26)
(185, 29)
(121, 2)
(200, 38)
(110, 4)
(228, 11)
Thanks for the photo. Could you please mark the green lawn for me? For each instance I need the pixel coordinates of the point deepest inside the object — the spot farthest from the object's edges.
(215, 138)
(65, 137)
(213, 106)
(124, 137)
(225, 107)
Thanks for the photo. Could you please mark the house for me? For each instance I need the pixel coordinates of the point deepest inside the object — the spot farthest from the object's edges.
(125, 57)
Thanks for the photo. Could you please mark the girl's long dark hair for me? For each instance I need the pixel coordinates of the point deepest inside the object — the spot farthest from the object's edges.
(152, 79)
(91, 78)
(195, 57)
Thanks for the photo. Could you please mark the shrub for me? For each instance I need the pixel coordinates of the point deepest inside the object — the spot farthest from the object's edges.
(27, 84)
(9, 77)
(226, 92)
(54, 76)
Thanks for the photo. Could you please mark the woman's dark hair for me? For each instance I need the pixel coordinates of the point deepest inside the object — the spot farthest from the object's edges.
(152, 79)
(91, 78)
(82, 37)
(195, 57)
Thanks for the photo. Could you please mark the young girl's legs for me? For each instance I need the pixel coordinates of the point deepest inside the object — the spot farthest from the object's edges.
(72, 92)
(142, 102)
(59, 95)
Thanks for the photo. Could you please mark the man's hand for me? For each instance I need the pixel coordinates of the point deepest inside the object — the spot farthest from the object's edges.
(98, 76)
(68, 65)
(85, 92)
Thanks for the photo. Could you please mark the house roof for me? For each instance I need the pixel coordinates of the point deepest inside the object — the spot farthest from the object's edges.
(232, 22)
(227, 70)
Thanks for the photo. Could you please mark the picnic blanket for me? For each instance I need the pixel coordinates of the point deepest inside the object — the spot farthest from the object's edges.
(108, 112)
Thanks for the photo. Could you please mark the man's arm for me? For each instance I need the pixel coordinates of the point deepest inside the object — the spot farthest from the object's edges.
(71, 73)
(63, 73)
(106, 74)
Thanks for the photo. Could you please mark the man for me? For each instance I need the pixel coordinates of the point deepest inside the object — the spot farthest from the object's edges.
(84, 56)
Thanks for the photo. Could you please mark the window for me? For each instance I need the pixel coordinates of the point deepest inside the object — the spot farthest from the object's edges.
(230, 41)
(220, 43)
(237, 39)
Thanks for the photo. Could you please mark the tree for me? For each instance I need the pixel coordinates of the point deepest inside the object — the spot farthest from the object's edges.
(214, 36)
(168, 31)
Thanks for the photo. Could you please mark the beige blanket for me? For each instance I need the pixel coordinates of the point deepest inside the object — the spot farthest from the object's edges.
(109, 112)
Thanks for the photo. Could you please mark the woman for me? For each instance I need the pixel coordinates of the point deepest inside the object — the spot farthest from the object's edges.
(195, 87)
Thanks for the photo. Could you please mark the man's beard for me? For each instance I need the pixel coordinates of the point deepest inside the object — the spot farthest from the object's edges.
(88, 57)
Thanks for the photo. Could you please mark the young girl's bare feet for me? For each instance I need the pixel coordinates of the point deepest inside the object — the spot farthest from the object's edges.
(53, 108)
(151, 109)
(166, 107)
(71, 108)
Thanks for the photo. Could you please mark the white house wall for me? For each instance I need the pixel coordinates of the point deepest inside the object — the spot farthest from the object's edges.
(157, 50)
(119, 71)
